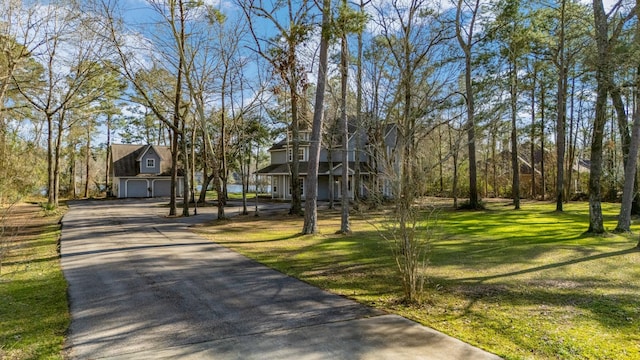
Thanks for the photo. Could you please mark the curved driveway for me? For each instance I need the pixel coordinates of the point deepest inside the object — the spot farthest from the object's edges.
(142, 286)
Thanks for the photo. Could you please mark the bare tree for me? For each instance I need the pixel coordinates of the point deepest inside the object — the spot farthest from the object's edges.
(414, 41)
(465, 34)
(67, 54)
(292, 23)
(135, 69)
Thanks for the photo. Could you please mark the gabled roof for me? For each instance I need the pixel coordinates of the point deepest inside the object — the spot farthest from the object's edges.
(126, 157)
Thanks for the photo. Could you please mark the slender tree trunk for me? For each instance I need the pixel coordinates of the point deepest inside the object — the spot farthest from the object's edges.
(186, 169)
(331, 178)
(543, 175)
(466, 45)
(440, 162)
(359, 120)
(107, 167)
(625, 137)
(57, 158)
(222, 171)
(454, 158)
(630, 170)
(310, 225)
(596, 223)
(72, 171)
(87, 168)
(345, 227)
(245, 166)
(51, 199)
(296, 201)
(257, 209)
(561, 119)
(206, 177)
(533, 134)
(571, 158)
(624, 219)
(515, 183)
(173, 208)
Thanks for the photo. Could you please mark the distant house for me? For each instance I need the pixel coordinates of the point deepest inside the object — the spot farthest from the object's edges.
(142, 171)
(330, 170)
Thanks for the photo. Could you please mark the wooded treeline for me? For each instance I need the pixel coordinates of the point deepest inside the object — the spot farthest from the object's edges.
(520, 99)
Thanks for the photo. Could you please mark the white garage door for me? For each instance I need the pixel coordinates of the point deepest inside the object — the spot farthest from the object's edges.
(137, 188)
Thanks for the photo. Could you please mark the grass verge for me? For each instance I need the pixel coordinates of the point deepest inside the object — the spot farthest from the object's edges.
(525, 284)
(33, 300)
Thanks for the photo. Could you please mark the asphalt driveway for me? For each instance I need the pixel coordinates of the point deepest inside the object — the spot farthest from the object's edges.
(142, 286)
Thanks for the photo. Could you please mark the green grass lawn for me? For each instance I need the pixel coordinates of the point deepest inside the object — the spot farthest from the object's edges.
(33, 299)
(525, 284)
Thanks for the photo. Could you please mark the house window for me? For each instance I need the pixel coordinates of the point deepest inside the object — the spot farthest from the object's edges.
(300, 154)
(151, 163)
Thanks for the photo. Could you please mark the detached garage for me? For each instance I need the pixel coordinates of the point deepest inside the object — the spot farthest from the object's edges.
(142, 171)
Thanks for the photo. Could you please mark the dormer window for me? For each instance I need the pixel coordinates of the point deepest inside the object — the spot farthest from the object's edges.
(151, 163)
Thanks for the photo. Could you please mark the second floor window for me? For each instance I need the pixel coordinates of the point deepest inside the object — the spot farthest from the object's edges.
(151, 163)
(300, 154)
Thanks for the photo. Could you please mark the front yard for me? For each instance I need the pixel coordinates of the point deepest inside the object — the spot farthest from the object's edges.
(525, 284)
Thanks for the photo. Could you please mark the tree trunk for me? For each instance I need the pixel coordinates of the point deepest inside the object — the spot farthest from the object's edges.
(571, 157)
(56, 160)
(221, 183)
(107, 167)
(561, 115)
(51, 200)
(624, 219)
(533, 134)
(185, 159)
(244, 179)
(192, 174)
(310, 225)
(344, 63)
(296, 201)
(630, 171)
(87, 164)
(72, 172)
(543, 175)
(454, 157)
(331, 178)
(596, 223)
(359, 121)
(173, 210)
(515, 183)
(206, 177)
(466, 45)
